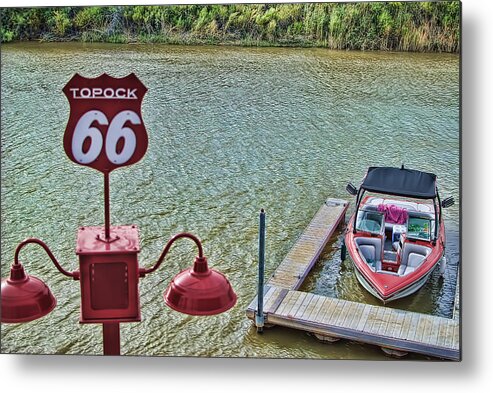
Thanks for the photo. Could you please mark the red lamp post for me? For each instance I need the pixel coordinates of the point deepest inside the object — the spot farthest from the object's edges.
(108, 267)
(109, 290)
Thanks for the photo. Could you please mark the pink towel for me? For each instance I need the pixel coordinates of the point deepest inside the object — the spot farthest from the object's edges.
(393, 214)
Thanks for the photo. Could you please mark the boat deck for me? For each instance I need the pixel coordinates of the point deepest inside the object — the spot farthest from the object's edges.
(389, 328)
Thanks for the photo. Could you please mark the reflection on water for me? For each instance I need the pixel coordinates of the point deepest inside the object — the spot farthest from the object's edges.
(231, 130)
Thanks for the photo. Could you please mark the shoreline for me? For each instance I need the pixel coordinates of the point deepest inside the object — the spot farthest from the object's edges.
(244, 43)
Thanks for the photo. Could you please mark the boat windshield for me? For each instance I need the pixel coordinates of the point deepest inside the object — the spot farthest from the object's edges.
(370, 221)
(419, 228)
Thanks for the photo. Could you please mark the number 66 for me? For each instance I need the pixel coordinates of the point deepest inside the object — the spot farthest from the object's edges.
(116, 130)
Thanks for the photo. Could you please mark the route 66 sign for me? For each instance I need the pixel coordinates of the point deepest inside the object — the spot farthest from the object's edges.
(105, 129)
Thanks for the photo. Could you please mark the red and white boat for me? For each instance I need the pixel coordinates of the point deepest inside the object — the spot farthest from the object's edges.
(396, 237)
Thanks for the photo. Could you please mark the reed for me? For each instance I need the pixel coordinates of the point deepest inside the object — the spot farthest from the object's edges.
(401, 26)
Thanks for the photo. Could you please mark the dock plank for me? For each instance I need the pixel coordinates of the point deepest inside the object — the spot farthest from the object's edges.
(394, 323)
(270, 297)
(365, 324)
(286, 302)
(385, 321)
(353, 313)
(304, 305)
(331, 309)
(442, 332)
(325, 308)
(422, 328)
(405, 325)
(433, 335)
(337, 305)
(376, 321)
(253, 303)
(297, 304)
(456, 336)
(412, 327)
(361, 317)
(448, 339)
(268, 293)
(311, 307)
(277, 300)
(342, 316)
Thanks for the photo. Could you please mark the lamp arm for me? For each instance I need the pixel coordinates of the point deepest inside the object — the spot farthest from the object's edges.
(143, 271)
(74, 275)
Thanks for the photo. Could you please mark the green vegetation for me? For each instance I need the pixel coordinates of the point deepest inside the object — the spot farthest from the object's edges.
(401, 26)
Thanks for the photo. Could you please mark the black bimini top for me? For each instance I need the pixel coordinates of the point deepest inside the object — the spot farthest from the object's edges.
(401, 182)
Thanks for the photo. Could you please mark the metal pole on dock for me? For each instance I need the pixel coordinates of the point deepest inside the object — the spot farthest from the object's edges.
(259, 317)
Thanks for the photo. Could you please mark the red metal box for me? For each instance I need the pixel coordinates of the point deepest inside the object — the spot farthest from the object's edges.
(109, 274)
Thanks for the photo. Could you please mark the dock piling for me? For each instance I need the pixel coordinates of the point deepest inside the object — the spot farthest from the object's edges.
(259, 317)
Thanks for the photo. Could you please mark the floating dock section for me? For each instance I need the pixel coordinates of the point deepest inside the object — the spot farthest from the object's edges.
(295, 267)
(397, 332)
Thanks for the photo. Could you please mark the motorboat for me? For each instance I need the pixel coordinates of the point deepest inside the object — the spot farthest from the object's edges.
(396, 236)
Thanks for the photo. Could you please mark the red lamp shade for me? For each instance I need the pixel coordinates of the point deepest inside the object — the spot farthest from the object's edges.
(24, 298)
(200, 291)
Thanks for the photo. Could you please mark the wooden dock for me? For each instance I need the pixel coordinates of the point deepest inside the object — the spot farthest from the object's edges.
(393, 330)
(295, 267)
(456, 312)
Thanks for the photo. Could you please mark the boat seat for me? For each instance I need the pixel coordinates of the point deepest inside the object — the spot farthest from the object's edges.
(413, 255)
(370, 249)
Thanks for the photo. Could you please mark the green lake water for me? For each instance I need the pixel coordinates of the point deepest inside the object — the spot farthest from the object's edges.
(231, 130)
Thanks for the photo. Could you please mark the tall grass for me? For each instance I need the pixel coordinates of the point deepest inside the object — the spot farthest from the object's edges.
(402, 26)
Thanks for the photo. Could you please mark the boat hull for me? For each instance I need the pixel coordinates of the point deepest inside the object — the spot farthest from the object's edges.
(414, 287)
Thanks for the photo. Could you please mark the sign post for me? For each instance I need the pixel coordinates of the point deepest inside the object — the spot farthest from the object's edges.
(105, 131)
